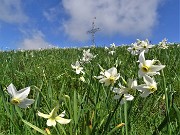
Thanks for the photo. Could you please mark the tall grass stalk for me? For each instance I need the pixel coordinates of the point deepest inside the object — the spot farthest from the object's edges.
(111, 115)
(126, 117)
(166, 92)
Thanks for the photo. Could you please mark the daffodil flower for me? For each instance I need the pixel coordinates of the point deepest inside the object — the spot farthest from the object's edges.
(87, 56)
(109, 76)
(19, 98)
(134, 49)
(113, 45)
(125, 91)
(149, 87)
(163, 44)
(144, 45)
(53, 117)
(112, 52)
(147, 67)
(77, 67)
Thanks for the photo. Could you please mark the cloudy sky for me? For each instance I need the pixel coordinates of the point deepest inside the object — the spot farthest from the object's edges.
(33, 24)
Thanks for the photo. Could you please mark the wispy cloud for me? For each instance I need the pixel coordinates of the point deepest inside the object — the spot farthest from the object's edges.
(34, 41)
(11, 11)
(51, 14)
(125, 17)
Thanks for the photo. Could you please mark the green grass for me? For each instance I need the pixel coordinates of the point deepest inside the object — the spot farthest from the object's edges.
(90, 104)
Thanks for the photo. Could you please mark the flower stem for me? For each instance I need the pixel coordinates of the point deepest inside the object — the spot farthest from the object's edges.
(111, 115)
(167, 104)
(125, 116)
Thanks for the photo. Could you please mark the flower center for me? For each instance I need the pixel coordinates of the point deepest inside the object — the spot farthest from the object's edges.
(152, 89)
(15, 101)
(111, 79)
(145, 68)
(145, 46)
(130, 91)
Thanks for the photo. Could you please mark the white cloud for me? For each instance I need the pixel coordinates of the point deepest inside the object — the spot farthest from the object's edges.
(127, 17)
(50, 14)
(11, 11)
(35, 41)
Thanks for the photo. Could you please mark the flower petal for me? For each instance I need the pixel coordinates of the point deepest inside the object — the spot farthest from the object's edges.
(23, 93)
(51, 122)
(141, 57)
(116, 96)
(62, 120)
(12, 90)
(62, 114)
(155, 68)
(43, 115)
(145, 93)
(26, 102)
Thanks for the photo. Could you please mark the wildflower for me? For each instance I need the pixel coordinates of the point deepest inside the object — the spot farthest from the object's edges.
(82, 79)
(19, 98)
(144, 45)
(53, 117)
(106, 48)
(77, 67)
(134, 49)
(127, 91)
(111, 52)
(108, 76)
(87, 56)
(163, 44)
(113, 45)
(147, 67)
(149, 87)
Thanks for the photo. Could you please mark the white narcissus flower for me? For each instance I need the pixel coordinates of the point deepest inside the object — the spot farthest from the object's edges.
(53, 117)
(149, 87)
(134, 49)
(19, 98)
(163, 44)
(82, 79)
(109, 76)
(77, 67)
(111, 52)
(125, 90)
(113, 45)
(144, 45)
(147, 67)
(87, 56)
(106, 48)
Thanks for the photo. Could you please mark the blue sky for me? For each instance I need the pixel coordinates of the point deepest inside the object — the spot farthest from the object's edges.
(33, 24)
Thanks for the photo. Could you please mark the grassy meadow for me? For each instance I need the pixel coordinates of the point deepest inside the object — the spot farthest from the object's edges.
(90, 105)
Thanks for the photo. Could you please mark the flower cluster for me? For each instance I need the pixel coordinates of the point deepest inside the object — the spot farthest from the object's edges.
(111, 49)
(163, 44)
(78, 66)
(20, 99)
(147, 69)
(87, 56)
(139, 46)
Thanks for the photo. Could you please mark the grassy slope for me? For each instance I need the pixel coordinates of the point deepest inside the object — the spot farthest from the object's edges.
(50, 71)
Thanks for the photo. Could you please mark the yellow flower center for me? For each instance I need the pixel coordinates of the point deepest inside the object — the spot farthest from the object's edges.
(152, 89)
(15, 101)
(145, 46)
(130, 91)
(111, 79)
(145, 68)
(134, 48)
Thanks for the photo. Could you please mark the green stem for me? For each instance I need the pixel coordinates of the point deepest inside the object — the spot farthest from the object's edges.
(167, 103)
(125, 115)
(111, 115)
